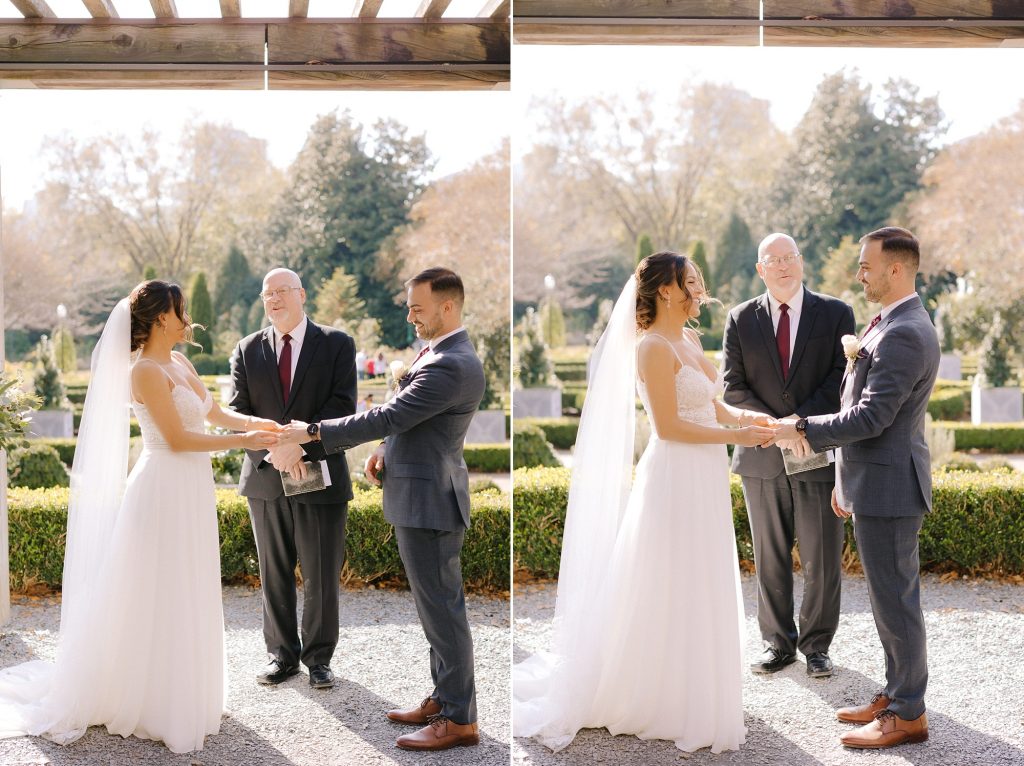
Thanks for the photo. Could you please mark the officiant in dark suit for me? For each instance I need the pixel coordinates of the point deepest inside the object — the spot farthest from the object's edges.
(783, 356)
(296, 369)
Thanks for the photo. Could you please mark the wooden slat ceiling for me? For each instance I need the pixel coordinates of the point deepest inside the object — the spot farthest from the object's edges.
(875, 23)
(357, 51)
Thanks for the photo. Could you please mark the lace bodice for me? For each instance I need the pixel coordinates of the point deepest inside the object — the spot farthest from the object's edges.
(695, 394)
(191, 409)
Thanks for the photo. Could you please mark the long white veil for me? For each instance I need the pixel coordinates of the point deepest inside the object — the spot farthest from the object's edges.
(551, 688)
(55, 700)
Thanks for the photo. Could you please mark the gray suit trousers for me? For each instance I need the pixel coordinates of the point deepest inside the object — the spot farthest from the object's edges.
(288, 531)
(778, 509)
(431, 558)
(888, 549)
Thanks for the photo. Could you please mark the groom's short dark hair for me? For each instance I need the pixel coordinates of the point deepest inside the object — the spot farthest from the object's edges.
(898, 244)
(443, 282)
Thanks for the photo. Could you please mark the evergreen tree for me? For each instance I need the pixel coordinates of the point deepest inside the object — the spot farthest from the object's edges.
(148, 274)
(48, 384)
(735, 259)
(235, 286)
(349, 194)
(533, 365)
(64, 348)
(700, 260)
(200, 309)
(338, 302)
(643, 248)
(552, 322)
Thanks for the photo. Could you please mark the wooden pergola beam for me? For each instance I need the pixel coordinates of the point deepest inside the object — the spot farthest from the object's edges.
(34, 9)
(373, 78)
(366, 9)
(637, 9)
(298, 9)
(101, 9)
(886, 9)
(230, 9)
(432, 9)
(891, 34)
(497, 9)
(164, 9)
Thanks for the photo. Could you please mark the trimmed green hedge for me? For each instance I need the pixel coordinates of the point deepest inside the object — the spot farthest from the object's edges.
(529, 447)
(38, 521)
(487, 458)
(948, 403)
(561, 432)
(571, 371)
(987, 437)
(65, 448)
(573, 396)
(976, 526)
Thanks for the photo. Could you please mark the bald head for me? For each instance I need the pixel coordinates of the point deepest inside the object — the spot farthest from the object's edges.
(776, 241)
(283, 299)
(780, 266)
(282, 276)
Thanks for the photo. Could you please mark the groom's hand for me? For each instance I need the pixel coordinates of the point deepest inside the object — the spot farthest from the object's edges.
(374, 465)
(843, 514)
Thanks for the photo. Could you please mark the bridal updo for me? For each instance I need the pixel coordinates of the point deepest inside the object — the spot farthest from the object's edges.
(151, 299)
(653, 272)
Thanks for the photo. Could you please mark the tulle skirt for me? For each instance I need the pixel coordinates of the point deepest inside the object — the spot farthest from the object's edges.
(663, 658)
(150, 660)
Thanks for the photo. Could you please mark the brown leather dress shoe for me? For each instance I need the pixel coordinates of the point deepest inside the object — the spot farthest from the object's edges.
(418, 715)
(864, 713)
(887, 730)
(440, 734)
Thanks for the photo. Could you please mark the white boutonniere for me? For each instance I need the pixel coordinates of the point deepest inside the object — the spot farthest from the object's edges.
(398, 371)
(851, 348)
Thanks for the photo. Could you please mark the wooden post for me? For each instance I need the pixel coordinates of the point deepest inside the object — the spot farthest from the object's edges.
(5, 562)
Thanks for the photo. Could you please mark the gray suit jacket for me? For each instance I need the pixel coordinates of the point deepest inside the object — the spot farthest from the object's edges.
(883, 466)
(426, 484)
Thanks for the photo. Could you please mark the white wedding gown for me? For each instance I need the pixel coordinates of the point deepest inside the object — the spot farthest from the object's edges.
(663, 655)
(150, 662)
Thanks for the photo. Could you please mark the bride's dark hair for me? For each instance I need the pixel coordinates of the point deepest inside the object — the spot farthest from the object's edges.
(151, 299)
(657, 270)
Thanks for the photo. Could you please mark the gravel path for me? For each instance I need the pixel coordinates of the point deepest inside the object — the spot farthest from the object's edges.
(975, 694)
(381, 662)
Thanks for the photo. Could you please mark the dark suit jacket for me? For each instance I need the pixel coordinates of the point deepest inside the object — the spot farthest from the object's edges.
(753, 372)
(426, 484)
(884, 464)
(324, 386)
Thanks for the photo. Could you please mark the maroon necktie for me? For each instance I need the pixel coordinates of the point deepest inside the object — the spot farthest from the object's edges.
(284, 365)
(782, 339)
(420, 355)
(872, 326)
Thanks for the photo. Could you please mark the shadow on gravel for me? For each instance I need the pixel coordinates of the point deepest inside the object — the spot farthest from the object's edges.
(363, 713)
(944, 732)
(15, 650)
(764, 747)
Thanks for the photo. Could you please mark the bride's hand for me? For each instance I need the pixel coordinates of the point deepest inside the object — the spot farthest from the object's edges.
(754, 436)
(258, 440)
(262, 424)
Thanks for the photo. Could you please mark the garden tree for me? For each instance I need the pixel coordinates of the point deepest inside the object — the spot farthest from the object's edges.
(533, 368)
(337, 301)
(462, 222)
(148, 274)
(165, 204)
(735, 259)
(200, 309)
(850, 168)
(48, 384)
(64, 349)
(700, 259)
(493, 350)
(236, 287)
(995, 355)
(349, 190)
(643, 248)
(552, 322)
(653, 163)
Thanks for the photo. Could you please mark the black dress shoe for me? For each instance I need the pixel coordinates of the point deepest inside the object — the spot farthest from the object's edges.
(275, 672)
(772, 661)
(321, 677)
(818, 665)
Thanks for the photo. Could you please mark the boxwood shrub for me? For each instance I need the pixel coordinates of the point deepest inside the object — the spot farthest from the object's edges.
(488, 458)
(976, 525)
(561, 432)
(38, 519)
(987, 437)
(948, 403)
(529, 447)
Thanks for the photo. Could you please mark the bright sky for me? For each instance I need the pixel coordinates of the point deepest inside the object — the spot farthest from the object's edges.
(975, 86)
(459, 127)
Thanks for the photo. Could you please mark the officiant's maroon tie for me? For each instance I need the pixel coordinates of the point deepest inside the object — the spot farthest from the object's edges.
(782, 339)
(284, 365)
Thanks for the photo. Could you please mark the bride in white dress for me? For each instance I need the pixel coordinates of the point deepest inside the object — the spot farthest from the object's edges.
(141, 646)
(648, 629)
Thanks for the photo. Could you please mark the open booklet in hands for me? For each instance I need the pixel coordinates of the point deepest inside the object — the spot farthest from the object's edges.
(317, 477)
(797, 464)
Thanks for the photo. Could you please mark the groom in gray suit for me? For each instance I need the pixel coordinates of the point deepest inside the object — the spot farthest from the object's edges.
(884, 477)
(426, 496)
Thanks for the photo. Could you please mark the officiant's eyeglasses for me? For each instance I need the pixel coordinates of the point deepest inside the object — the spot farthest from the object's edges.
(778, 260)
(281, 292)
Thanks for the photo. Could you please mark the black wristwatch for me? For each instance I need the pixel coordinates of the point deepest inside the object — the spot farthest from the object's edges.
(313, 429)
(801, 426)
